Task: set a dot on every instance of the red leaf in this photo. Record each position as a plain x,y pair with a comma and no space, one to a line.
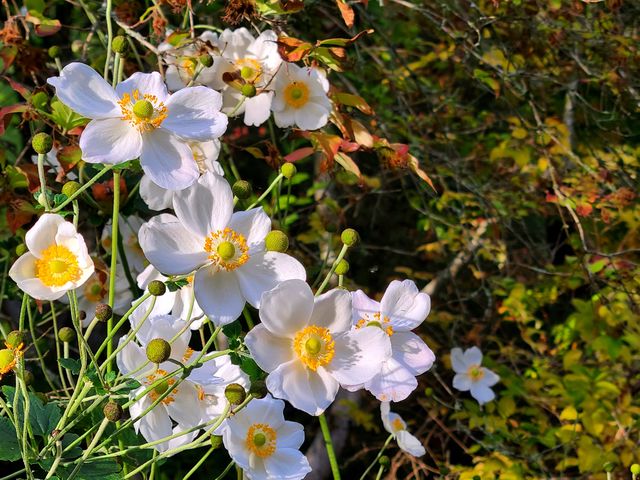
347,13
19,88
5,111
299,154
292,49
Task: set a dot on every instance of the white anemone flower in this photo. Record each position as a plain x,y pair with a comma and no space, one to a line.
402,308
187,404
56,261
307,346
225,249
396,426
471,375
300,97
205,154
255,60
181,56
139,118
264,444
128,228
181,303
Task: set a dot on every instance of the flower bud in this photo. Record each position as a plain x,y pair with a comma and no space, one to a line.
384,461
216,441
276,241
288,170
258,389
42,143
428,392
157,288
70,188
158,350
248,90
15,339
54,51
119,44
27,377
635,469
349,237
112,411
21,249
342,268
67,334
39,99
205,60
103,312
235,393
242,189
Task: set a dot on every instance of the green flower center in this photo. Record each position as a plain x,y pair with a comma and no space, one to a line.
143,109
226,250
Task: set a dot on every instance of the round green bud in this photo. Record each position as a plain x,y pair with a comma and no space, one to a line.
21,249
70,188
276,241
157,288
7,359
428,392
14,339
226,250
42,143
384,461
39,99
205,60
67,334
349,237
143,109
28,377
54,51
635,469
242,189
258,389
248,90
609,466
235,393
342,268
77,46
103,312
247,72
119,44
112,411
216,441
288,170
158,350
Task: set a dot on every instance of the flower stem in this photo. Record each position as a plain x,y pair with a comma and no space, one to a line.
114,259
324,283
326,434
93,180
375,460
43,182
110,38
277,181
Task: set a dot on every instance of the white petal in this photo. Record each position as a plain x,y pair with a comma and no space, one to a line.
284,118
167,160
263,271
257,109
173,78
155,425
411,352
473,356
268,350
234,43
219,295
482,393
43,233
410,444
287,308
186,408
359,355
332,310
462,382
111,141
309,391
170,247
489,378
458,362
363,306
212,194
254,225
266,410
23,272
83,90
290,435
194,113
394,383
144,83
385,411
287,464
265,49
131,358
405,305
312,116
156,198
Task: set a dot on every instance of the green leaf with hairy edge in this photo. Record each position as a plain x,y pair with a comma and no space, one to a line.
70,364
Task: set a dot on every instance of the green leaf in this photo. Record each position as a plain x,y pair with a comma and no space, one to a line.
64,116
43,418
233,330
9,446
98,470
70,364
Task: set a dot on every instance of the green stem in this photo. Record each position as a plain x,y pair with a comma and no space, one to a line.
375,460
114,259
326,434
110,38
93,180
277,181
43,181
324,283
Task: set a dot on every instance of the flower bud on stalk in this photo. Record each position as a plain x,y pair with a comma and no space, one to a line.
103,312
235,393
205,60
349,237
216,441
15,339
242,189
70,188
21,249
112,411
248,90
119,44
67,334
158,350
54,51
42,143
342,268
157,288
276,241
288,170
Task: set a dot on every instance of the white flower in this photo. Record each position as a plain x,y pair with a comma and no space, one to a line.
300,97
187,404
128,228
225,249
255,61
205,155
401,309
57,259
181,55
264,444
471,375
140,119
397,427
307,345
180,303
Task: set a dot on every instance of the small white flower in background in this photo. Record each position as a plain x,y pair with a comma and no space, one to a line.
471,375
402,308
181,54
56,261
255,60
51,159
141,119
307,345
187,404
205,155
397,427
225,249
264,444
300,97
128,228
180,303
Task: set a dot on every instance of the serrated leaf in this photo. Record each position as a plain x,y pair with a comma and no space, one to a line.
70,364
9,446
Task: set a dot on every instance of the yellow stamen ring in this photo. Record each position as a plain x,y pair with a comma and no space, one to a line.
57,266
314,346
261,440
